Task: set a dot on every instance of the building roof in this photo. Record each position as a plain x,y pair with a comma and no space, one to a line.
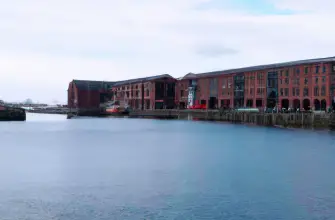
98,85
92,85
262,67
144,79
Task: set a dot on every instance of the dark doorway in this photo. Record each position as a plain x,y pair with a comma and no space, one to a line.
296,103
203,102
182,105
212,103
259,103
323,105
317,105
285,103
225,103
159,105
306,104
238,103
272,100
250,103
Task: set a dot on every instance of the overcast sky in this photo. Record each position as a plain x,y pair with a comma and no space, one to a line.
44,44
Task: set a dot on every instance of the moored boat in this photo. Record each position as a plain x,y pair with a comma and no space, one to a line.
116,108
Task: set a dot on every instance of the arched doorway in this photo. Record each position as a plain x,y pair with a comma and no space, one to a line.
317,105
306,104
323,105
285,103
296,103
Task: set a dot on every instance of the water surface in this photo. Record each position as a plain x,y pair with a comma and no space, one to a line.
85,169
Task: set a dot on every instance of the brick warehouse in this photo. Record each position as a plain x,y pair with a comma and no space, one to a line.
154,92
298,84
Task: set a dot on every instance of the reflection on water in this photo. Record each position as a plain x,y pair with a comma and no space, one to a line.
53,168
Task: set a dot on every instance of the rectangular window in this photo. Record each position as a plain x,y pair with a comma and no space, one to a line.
306,81
316,91
324,69
293,91
297,92
281,72
317,69
306,70
297,71
224,84
305,91
282,92
316,80
323,90
286,73
281,82
286,91
181,93
287,81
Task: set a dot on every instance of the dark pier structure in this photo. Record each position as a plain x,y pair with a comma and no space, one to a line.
12,114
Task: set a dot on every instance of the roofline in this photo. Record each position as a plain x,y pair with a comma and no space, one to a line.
262,67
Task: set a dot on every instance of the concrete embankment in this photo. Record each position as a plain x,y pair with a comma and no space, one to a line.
294,120
318,120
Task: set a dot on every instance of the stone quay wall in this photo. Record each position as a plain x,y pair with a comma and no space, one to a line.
294,120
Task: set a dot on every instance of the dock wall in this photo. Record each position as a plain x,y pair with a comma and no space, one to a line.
296,120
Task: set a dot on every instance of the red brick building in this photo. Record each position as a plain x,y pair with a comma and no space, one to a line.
298,84
83,94
156,92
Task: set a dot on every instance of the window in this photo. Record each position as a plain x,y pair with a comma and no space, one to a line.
224,84
281,72
260,91
281,82
316,80
316,91
293,91
306,70
323,90
286,91
286,73
323,79
317,69
297,71
229,83
306,81
251,91
324,68
305,91
297,92
287,81
282,92
181,93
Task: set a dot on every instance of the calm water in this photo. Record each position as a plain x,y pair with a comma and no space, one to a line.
86,169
